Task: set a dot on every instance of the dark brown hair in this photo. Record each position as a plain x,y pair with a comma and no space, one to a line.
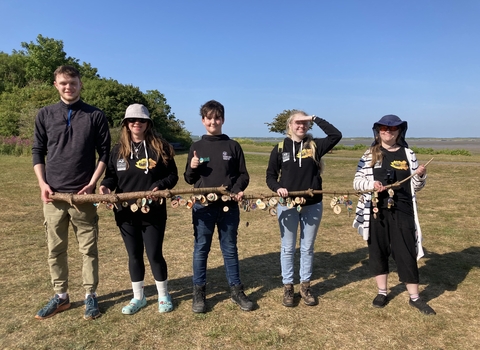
212,108
68,71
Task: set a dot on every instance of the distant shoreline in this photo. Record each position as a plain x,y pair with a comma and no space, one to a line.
456,143
469,144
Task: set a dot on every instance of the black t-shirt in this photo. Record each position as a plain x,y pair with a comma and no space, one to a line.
395,167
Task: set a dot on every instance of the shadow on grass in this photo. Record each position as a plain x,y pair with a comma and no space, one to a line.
441,272
261,273
444,272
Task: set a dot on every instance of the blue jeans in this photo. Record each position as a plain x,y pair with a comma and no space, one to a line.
288,219
204,221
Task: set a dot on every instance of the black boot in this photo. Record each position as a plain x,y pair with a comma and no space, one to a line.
238,297
198,304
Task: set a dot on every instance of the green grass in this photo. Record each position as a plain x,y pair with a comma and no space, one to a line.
344,318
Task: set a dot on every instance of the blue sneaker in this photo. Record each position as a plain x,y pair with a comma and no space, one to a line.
165,304
134,306
91,308
54,306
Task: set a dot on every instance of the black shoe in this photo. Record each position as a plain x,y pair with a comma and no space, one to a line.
198,304
238,297
422,306
288,295
380,301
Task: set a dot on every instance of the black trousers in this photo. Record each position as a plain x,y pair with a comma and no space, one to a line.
148,237
393,232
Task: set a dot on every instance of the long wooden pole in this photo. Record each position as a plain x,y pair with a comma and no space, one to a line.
120,197
304,193
398,183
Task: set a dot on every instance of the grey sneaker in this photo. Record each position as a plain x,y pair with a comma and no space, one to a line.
54,306
91,308
238,296
288,294
198,304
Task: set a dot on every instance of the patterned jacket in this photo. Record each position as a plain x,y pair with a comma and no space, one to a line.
364,181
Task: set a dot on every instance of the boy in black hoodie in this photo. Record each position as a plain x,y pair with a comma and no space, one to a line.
213,161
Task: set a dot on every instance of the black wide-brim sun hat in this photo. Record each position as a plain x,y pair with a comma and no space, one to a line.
392,120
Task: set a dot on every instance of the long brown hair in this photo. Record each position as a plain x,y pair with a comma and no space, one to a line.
163,150
377,155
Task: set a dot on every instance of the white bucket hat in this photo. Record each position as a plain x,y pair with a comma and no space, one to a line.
137,111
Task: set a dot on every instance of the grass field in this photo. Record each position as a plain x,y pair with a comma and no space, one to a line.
344,318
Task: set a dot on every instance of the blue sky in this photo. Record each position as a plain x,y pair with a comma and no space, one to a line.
350,62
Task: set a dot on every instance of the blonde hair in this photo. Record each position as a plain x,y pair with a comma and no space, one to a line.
163,150
309,143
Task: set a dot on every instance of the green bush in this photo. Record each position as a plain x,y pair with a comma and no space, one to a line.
431,151
350,148
15,146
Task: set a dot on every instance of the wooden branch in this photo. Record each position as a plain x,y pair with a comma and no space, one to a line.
304,193
121,197
398,183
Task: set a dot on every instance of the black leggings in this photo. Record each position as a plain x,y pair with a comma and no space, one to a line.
151,237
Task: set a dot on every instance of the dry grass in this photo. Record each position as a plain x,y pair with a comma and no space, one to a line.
344,318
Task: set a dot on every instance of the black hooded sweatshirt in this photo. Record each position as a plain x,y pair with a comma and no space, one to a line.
295,169
223,165
134,178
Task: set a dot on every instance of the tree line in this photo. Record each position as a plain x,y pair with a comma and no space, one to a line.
26,85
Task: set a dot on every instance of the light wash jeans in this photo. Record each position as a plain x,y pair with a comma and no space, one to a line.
309,218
